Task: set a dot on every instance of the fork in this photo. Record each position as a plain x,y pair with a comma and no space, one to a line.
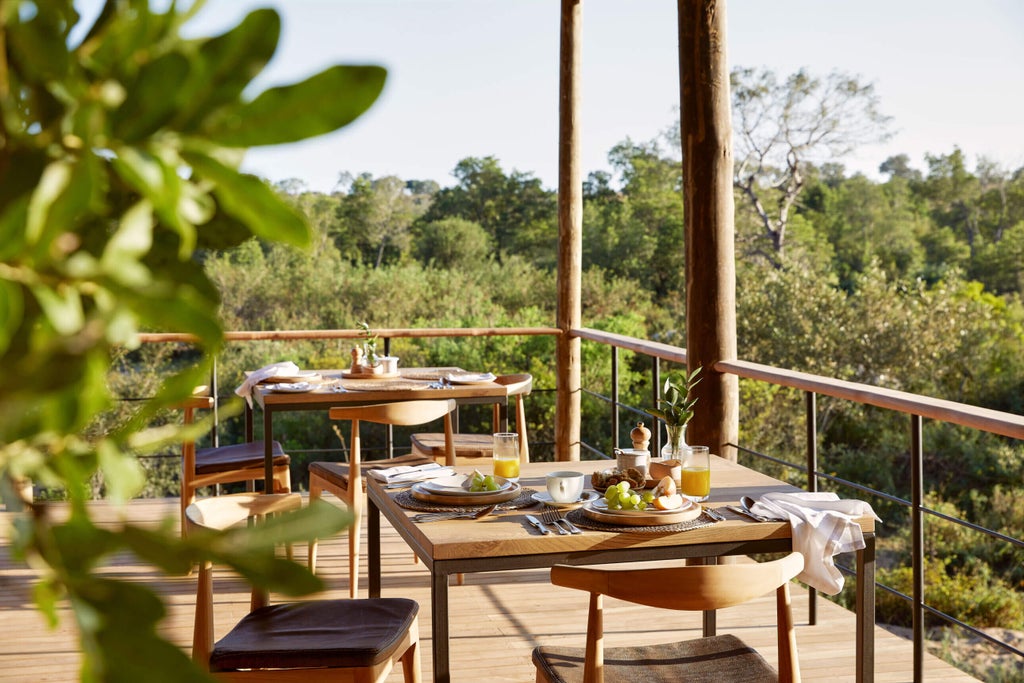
444,516
562,525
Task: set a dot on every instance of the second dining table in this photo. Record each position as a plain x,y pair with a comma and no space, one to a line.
330,388
504,540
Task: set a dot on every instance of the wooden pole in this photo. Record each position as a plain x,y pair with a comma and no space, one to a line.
570,235
706,131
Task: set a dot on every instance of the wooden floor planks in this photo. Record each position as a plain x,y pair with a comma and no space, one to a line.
497,619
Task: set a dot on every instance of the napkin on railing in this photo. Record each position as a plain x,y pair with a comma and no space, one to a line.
411,473
282,369
823,526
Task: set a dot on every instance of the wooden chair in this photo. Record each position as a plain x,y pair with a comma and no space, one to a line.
470,447
224,464
345,480
316,640
696,588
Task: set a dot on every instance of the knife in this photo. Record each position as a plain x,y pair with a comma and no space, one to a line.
541,527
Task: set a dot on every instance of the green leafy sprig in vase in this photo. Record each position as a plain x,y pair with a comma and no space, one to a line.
675,408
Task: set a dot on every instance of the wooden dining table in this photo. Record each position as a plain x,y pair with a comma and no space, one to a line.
334,388
505,540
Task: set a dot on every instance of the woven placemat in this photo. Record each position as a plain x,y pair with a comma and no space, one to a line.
428,374
581,520
383,384
405,500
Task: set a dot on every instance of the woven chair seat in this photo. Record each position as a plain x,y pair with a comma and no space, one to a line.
710,660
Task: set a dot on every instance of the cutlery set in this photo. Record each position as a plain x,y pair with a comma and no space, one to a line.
561,524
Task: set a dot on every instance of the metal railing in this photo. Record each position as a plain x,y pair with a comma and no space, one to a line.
914,406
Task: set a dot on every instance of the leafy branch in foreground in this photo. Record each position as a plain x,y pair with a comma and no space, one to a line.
119,159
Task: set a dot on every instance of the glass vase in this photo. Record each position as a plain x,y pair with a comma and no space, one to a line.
676,442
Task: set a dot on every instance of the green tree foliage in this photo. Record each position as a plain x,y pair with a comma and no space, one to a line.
118,161
517,213
451,244
374,219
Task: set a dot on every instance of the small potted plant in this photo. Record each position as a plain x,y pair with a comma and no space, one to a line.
365,360
675,408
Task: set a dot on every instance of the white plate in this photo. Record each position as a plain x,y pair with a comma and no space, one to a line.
601,505
300,376
472,378
291,388
458,485
545,497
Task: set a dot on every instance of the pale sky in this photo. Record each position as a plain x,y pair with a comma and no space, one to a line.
480,77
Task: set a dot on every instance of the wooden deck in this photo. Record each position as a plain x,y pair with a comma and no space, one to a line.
497,618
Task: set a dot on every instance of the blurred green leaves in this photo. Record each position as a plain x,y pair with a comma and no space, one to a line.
119,158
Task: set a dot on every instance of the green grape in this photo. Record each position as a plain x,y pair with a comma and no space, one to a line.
641,506
490,484
634,500
623,486
611,494
648,496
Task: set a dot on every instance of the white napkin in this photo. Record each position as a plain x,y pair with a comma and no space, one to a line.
823,527
283,369
411,473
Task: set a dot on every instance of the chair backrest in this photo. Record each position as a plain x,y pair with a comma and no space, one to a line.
400,413
219,513
691,588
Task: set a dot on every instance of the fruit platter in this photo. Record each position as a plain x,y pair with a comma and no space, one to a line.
466,489
625,505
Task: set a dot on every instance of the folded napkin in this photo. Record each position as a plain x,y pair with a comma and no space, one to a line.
283,369
411,473
823,527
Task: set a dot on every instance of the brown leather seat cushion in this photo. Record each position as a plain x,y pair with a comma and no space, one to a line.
705,660
319,633
466,445
337,472
238,456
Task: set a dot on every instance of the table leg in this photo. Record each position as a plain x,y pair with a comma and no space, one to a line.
373,547
439,604
866,611
268,451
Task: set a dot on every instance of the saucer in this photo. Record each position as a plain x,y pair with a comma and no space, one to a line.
545,497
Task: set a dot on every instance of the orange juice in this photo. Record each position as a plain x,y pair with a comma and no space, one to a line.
695,482
507,468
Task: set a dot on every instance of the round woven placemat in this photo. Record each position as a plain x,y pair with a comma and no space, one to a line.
581,520
382,384
405,500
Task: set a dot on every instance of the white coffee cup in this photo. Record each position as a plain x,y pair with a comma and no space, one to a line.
389,363
565,486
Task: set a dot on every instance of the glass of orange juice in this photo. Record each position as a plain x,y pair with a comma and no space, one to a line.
506,455
695,481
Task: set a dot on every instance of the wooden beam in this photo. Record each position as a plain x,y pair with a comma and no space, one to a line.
570,235
706,132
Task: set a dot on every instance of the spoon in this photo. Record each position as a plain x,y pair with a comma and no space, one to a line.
746,502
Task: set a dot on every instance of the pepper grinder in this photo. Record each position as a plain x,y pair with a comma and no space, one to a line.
641,437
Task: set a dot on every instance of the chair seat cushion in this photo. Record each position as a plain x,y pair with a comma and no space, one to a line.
466,445
710,660
318,633
236,457
336,473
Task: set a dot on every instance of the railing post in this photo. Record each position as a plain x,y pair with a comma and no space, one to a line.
389,430
917,539
811,419
615,397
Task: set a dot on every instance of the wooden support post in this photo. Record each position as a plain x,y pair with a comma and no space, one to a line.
570,236
705,131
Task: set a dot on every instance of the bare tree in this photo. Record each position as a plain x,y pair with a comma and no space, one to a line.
781,128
